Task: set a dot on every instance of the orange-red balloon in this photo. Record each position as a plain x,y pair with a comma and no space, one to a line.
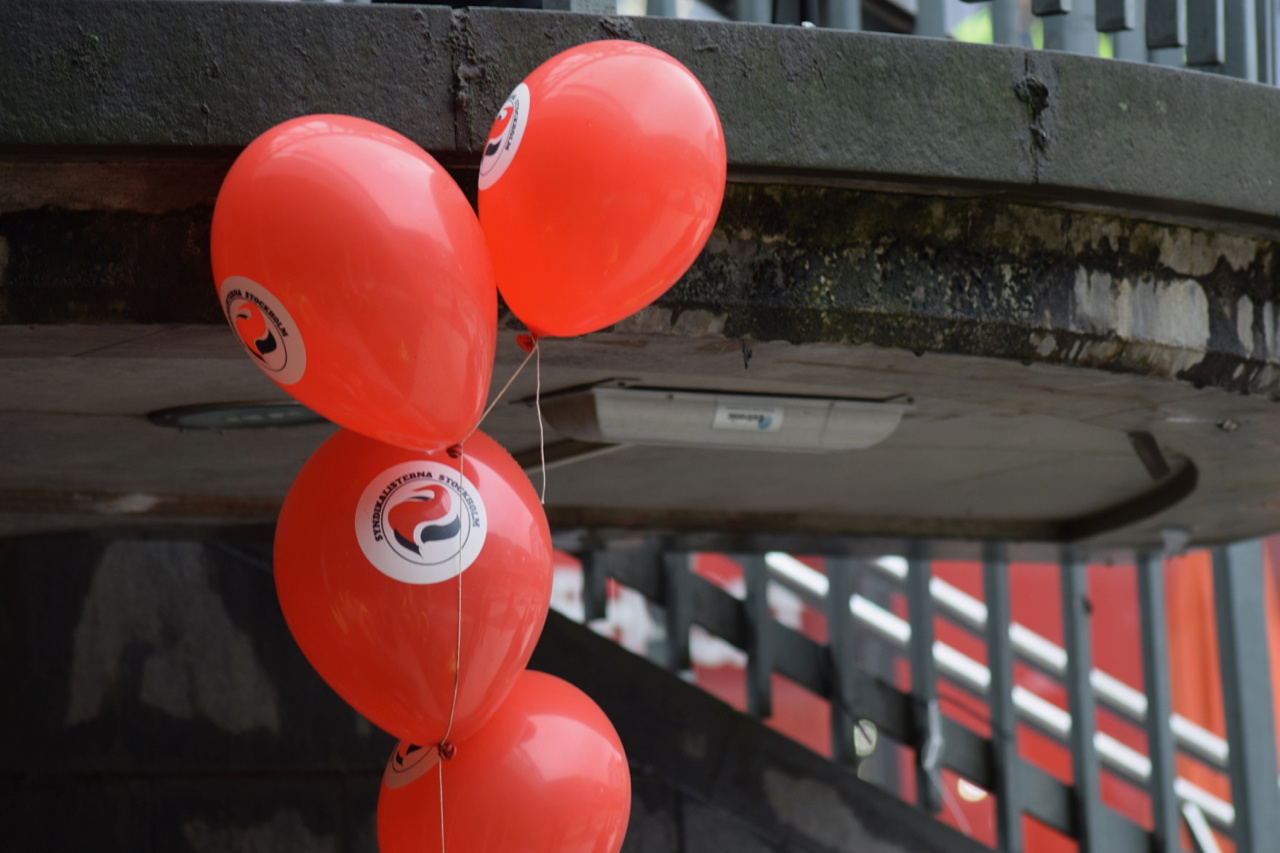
600,182
372,544
356,276
546,775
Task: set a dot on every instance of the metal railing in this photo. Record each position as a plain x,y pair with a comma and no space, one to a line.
1231,37
664,577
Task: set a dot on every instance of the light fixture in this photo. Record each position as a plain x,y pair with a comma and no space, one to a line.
617,413
229,416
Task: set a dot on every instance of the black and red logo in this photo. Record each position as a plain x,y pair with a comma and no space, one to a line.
504,137
251,326
408,762
421,522
265,328
428,515
499,129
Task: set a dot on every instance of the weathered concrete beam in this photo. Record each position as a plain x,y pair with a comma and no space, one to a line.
975,276
815,105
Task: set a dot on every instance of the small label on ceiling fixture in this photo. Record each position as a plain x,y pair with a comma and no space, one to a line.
764,419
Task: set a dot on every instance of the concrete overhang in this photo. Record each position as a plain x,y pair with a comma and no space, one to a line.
1058,259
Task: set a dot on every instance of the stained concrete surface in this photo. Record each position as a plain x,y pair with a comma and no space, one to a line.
161,705
1043,252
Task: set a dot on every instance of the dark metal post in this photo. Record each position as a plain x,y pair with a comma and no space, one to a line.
931,18
1240,609
1206,32
1074,33
924,685
1242,40
844,652
1045,8
675,567
1004,725
1131,44
1166,23
1266,41
595,585
1084,757
1115,16
841,14
759,638
1155,677
755,11
1004,22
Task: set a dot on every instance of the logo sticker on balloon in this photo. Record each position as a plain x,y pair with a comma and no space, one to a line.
421,522
265,328
407,763
504,137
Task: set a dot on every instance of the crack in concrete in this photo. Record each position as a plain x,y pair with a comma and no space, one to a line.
1032,91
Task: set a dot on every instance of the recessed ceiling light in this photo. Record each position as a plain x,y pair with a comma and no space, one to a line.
681,418
228,416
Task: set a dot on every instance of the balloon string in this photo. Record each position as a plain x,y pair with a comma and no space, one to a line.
445,749
457,652
500,394
440,774
537,406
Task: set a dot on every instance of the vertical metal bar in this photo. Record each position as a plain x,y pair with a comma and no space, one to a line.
809,11
755,11
1114,15
1240,609
931,18
660,8
1004,22
924,684
877,661
786,12
844,652
841,14
1166,23
1004,724
1206,32
675,567
1084,757
759,638
1074,33
1242,40
1155,678
1045,8
1131,44
595,585
1265,24
1170,57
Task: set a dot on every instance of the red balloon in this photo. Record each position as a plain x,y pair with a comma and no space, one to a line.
372,544
356,275
600,183
546,775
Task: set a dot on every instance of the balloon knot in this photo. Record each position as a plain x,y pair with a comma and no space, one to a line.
447,750
455,451
526,342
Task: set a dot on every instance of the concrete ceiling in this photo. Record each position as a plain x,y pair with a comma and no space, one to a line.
978,229
988,448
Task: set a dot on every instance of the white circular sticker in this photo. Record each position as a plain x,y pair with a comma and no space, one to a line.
421,522
265,328
408,762
504,137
